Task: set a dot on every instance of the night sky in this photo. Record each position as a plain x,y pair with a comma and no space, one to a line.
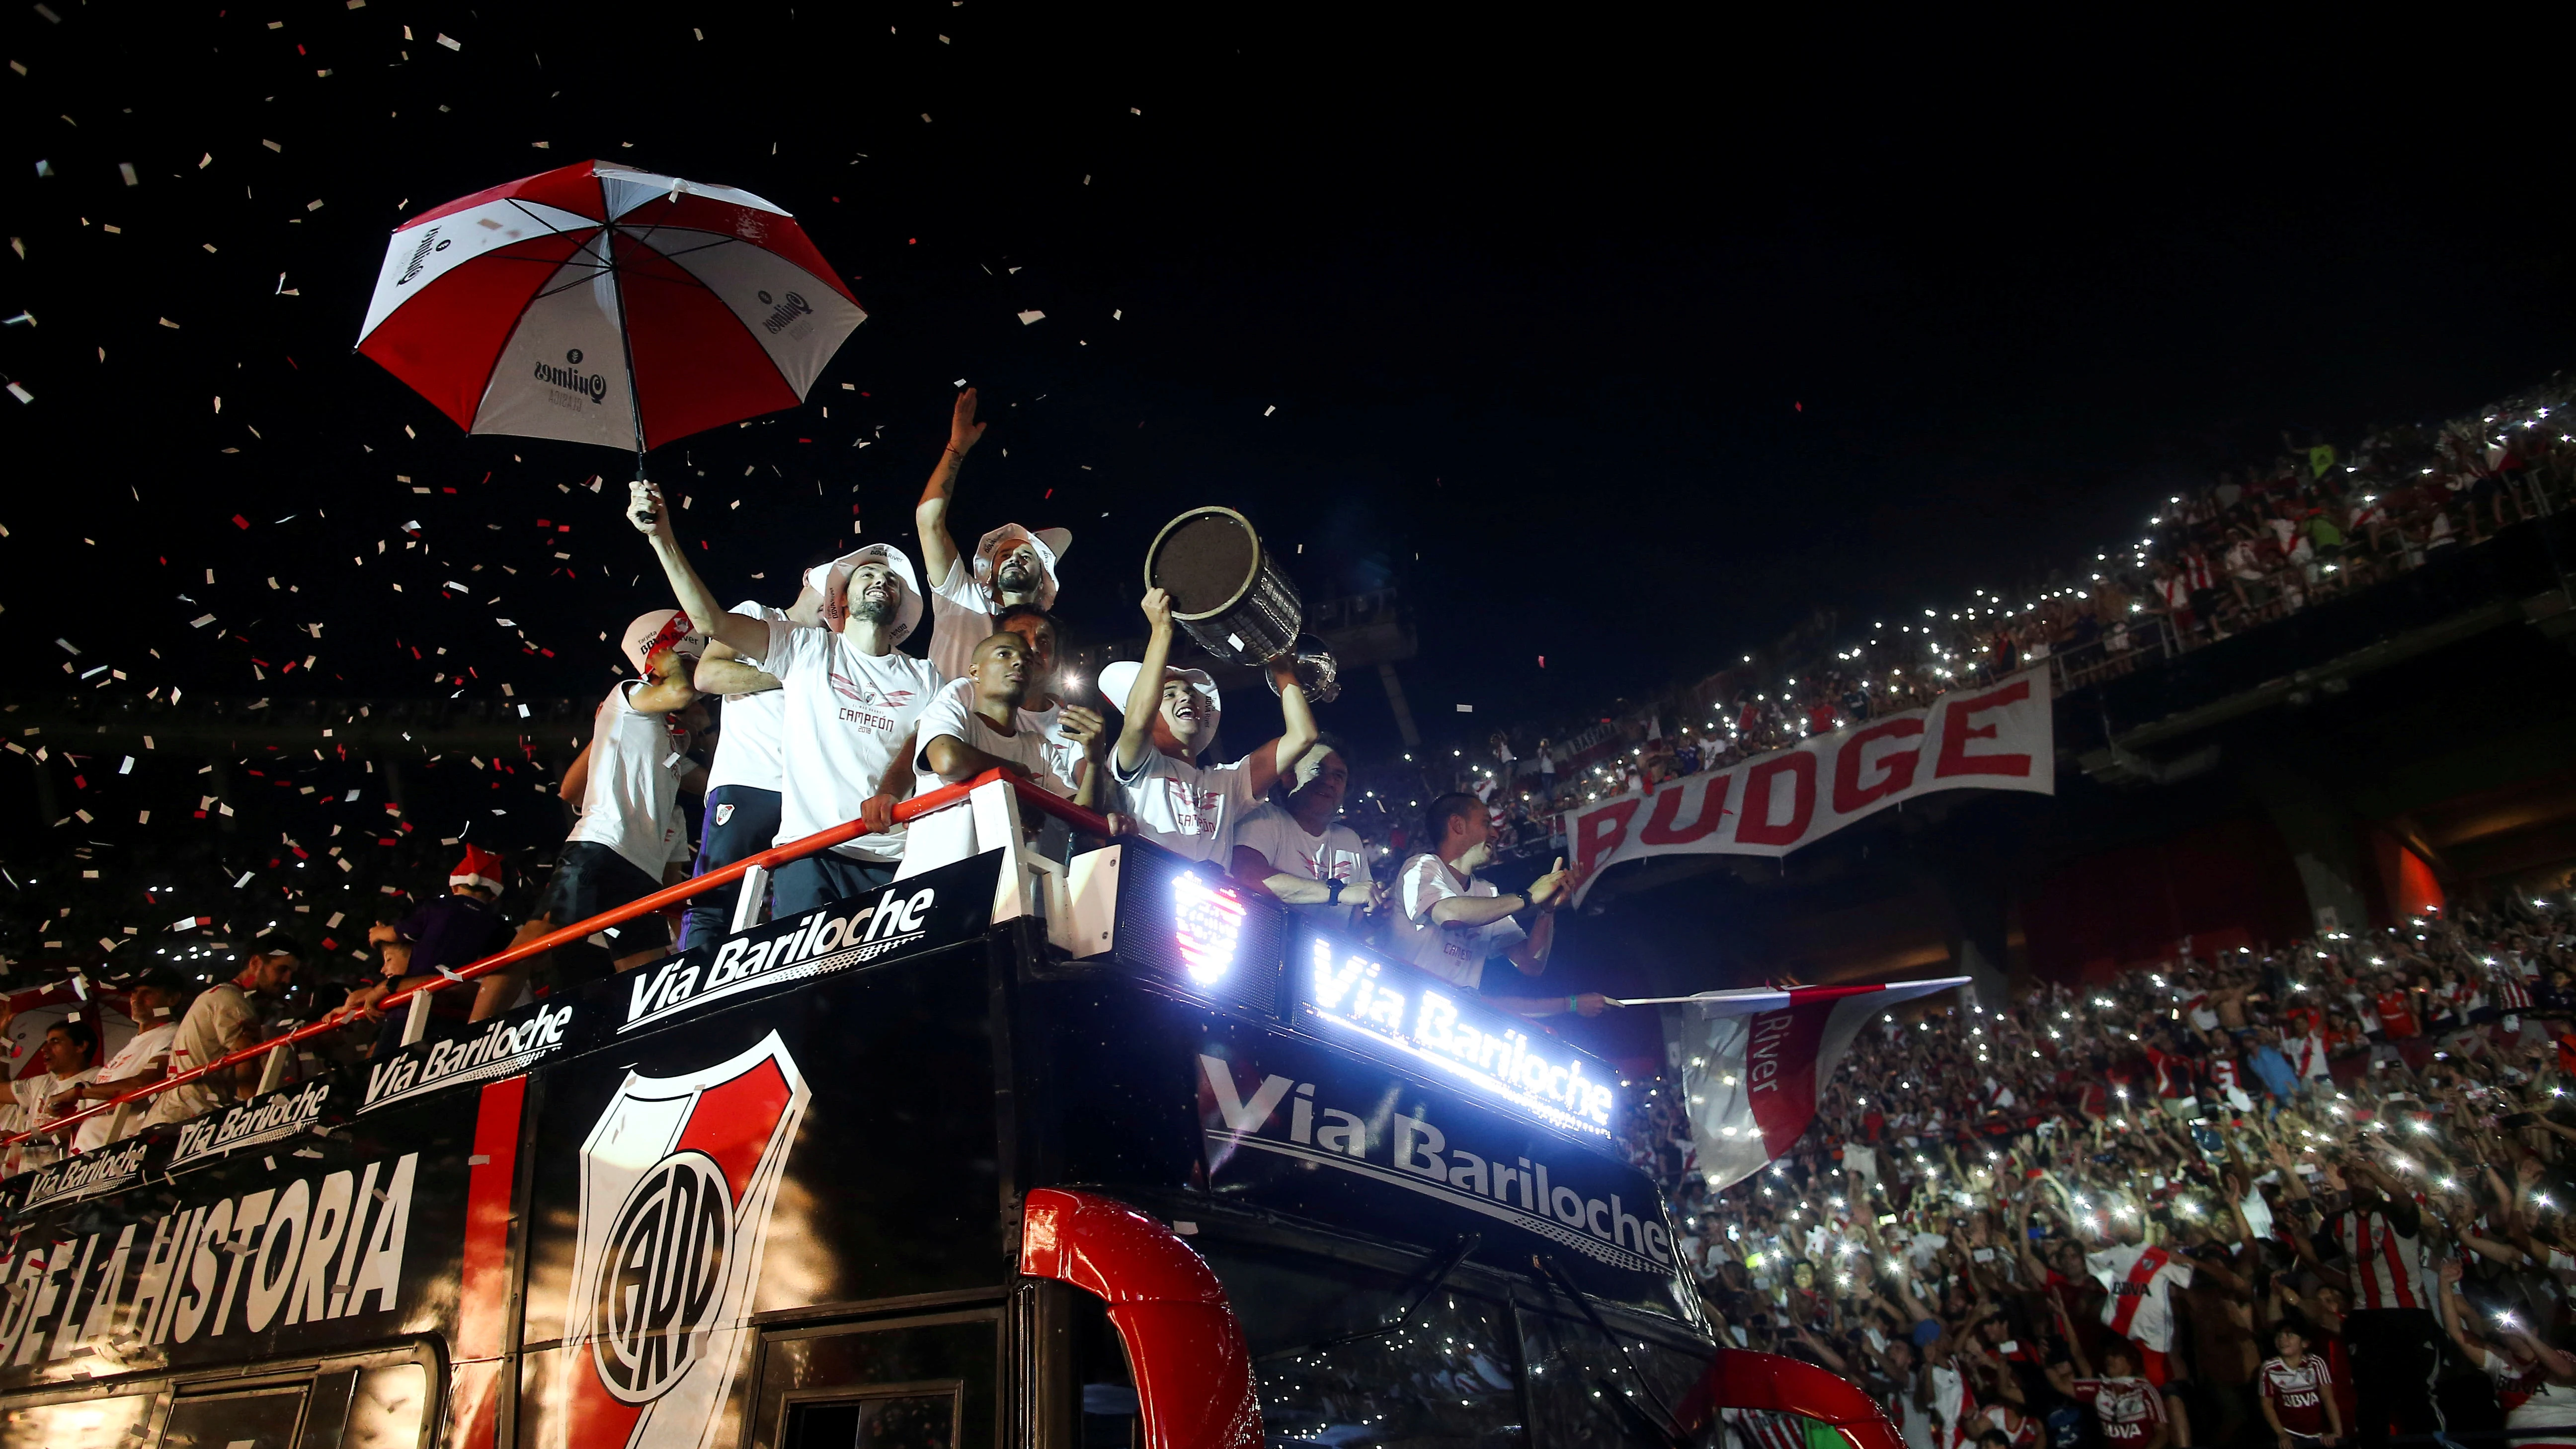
1608,342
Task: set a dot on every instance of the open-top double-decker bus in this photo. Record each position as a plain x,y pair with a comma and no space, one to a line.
1018,1151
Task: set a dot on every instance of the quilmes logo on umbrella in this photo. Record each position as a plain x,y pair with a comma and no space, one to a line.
571,378
430,241
784,310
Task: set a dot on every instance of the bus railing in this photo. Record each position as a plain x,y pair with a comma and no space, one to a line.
276,1050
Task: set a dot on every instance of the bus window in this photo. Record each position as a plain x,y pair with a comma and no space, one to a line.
243,1419
1110,1412
1445,1380
386,1410
910,1385
925,1418
1583,1394
116,1423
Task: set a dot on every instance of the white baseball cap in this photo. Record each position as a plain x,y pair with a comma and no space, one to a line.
1120,676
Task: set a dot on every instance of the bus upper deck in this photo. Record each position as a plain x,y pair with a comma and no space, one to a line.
1016,1151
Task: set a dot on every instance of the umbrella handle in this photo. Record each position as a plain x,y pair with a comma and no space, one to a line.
640,478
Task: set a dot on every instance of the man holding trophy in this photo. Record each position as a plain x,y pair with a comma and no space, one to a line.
1171,716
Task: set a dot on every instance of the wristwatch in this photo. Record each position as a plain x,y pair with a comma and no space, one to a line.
1334,889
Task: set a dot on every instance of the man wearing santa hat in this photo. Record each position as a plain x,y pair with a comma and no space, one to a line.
631,839
1012,565
445,934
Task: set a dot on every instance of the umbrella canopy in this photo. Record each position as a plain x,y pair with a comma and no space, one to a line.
599,304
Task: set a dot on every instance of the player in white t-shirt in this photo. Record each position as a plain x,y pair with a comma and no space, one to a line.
1299,852
1012,565
1449,923
1044,711
631,839
977,724
71,1054
744,780
1170,716
143,1060
849,702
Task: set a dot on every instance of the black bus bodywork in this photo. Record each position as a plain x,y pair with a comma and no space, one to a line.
893,1173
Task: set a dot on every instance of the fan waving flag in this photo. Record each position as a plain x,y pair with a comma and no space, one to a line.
1757,1060
599,304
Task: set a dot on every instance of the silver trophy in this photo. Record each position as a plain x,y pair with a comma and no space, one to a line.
1232,597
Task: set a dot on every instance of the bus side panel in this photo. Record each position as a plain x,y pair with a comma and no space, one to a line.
474,1404
1180,1101
346,1235
800,1154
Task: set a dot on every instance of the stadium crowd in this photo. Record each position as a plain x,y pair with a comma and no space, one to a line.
2254,545
2290,1197
2301,1195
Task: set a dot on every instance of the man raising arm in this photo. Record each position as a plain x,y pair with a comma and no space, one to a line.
1012,565
1171,716
849,703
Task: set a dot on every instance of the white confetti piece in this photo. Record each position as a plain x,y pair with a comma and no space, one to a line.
126,170
19,391
1030,316
450,44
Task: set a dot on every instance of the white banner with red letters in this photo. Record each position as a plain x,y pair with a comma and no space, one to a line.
1995,737
1755,1063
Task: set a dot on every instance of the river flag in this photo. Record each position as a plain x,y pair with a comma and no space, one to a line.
1755,1061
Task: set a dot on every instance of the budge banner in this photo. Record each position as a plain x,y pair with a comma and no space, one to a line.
1991,738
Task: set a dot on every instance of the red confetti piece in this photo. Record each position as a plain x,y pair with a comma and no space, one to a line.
240,522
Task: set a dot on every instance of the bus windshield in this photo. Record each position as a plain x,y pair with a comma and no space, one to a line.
1470,1369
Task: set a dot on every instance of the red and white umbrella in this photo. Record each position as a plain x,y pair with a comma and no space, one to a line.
600,304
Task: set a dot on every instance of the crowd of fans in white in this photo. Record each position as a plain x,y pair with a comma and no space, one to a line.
2296,1196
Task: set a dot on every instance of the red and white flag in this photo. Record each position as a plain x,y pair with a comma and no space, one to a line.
1757,1060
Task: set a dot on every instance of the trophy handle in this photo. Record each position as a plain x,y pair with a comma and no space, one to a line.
1317,674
